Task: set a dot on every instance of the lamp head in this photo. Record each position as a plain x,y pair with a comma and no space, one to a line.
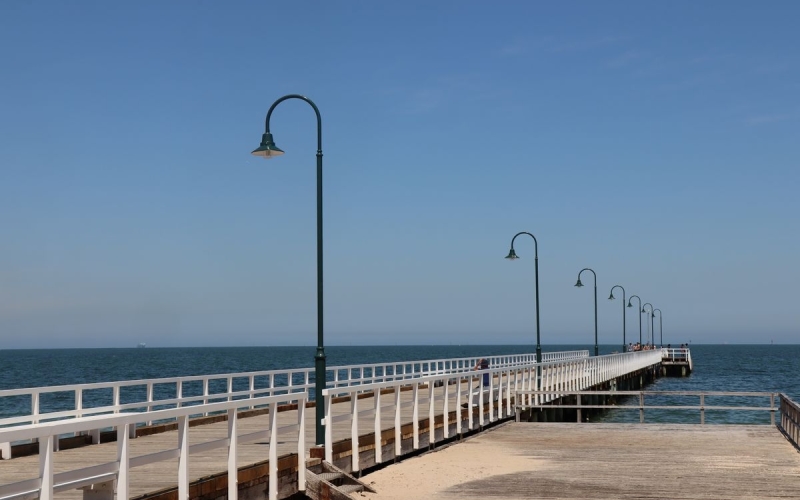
579,284
643,310
611,296
267,149
512,255
629,304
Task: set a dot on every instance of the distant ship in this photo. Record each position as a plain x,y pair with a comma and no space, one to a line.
141,345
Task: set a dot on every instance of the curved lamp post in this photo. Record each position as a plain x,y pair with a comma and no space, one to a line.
660,326
268,150
579,284
652,333
611,297
512,255
640,315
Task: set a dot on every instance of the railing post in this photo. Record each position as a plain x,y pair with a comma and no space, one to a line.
354,431
579,409
205,394
378,429
458,405
446,410
301,444
273,452
183,457
46,467
415,417
123,461
328,427
233,470
398,435
702,409
772,409
149,406
431,415
641,407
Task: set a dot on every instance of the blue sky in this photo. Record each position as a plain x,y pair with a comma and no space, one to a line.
653,142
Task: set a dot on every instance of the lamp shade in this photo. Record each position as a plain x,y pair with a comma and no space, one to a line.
611,296
512,255
579,284
267,149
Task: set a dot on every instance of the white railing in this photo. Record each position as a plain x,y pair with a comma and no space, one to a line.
385,372
143,395
678,355
437,394
47,483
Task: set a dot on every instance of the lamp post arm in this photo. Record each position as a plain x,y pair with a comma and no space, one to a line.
311,103
535,242
588,269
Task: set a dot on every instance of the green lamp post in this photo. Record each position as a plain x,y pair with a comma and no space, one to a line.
640,315
268,150
512,255
652,333
611,297
660,326
579,284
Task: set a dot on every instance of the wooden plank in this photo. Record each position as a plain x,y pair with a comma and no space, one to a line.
601,461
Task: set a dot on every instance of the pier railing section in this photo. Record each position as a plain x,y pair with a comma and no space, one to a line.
790,419
117,473
437,396
678,355
44,404
588,400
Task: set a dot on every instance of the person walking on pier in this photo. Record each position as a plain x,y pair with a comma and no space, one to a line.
483,364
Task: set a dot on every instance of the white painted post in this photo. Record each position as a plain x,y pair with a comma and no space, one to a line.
491,397
378,435
252,386
480,398
149,406
78,403
230,388
123,461
35,407
46,467
415,417
431,415
179,392
470,386
233,444
328,428
508,390
458,405
398,435
354,430
301,444
183,457
446,410
273,451
5,450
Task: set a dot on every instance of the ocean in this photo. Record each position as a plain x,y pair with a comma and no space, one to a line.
757,368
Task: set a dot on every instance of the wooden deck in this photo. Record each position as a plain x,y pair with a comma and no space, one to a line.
601,461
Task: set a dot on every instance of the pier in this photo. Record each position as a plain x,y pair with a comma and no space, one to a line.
374,415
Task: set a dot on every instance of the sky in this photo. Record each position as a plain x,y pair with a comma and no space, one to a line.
654,142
